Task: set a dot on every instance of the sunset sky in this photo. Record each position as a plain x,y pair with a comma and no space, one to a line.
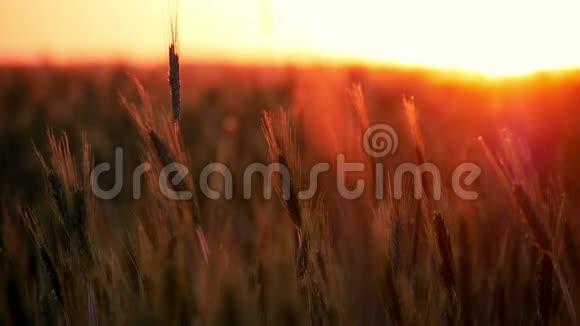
493,36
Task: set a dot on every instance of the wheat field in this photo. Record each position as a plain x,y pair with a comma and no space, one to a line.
69,257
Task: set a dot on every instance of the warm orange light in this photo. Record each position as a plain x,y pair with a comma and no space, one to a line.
495,37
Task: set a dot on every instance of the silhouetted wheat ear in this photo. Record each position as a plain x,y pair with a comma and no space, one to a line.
419,147
58,194
278,149
358,101
447,266
412,119
302,248
361,111
79,220
545,288
301,240
161,150
292,203
542,239
174,82
166,159
52,275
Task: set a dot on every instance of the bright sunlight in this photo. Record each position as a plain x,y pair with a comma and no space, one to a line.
491,37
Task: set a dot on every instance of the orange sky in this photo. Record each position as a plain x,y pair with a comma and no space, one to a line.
496,37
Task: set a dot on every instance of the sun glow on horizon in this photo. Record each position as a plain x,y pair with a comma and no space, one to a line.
493,37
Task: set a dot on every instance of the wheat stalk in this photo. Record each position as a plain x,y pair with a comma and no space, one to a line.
280,151
447,266
174,71
52,274
174,82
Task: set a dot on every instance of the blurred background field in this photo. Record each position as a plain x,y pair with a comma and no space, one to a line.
367,268
223,105
495,83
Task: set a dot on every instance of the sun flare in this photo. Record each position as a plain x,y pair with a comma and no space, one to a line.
492,37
